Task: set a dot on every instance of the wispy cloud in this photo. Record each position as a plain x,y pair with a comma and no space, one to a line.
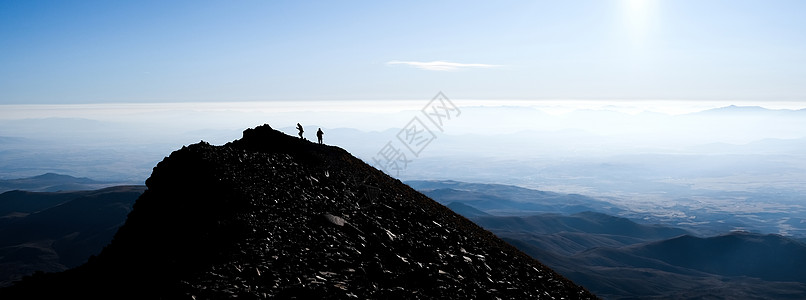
440,65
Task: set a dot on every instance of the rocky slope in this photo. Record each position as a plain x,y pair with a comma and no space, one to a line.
271,215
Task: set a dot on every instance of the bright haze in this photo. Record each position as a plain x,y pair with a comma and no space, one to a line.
651,103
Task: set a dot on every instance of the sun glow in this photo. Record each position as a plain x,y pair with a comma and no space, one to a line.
639,16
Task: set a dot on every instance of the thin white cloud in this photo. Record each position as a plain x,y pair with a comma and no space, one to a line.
440,65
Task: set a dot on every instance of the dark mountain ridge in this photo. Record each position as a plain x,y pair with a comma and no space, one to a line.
738,265
775,258
271,215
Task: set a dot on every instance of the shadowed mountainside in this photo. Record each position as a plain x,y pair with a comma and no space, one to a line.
56,231
768,257
270,215
731,266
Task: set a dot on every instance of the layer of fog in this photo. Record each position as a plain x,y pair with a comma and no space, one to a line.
663,160
530,131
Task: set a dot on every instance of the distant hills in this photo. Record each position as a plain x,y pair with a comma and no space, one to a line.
738,109
507,199
571,234
767,257
52,182
54,231
617,258
730,266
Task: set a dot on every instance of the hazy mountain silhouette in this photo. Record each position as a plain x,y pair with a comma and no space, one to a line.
56,231
271,215
765,146
52,182
570,234
739,109
466,210
10,139
507,199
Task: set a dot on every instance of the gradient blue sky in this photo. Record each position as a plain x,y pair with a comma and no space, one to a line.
61,52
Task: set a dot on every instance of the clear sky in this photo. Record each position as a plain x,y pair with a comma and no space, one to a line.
61,52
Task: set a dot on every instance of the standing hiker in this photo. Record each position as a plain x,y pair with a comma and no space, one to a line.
319,134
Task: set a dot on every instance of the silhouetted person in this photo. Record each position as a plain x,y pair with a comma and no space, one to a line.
299,127
319,134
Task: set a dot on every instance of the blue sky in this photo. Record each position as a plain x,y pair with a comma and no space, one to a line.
61,52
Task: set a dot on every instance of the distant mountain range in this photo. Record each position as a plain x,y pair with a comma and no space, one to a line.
738,109
617,258
52,182
572,234
509,200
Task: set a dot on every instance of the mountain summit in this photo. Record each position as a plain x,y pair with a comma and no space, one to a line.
274,216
